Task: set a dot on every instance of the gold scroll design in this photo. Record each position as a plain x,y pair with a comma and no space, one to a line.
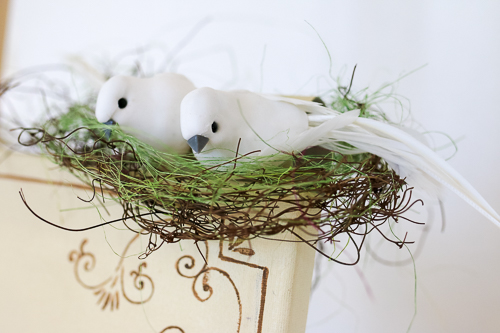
109,290
189,263
233,246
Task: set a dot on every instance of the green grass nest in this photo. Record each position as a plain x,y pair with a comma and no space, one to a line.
172,197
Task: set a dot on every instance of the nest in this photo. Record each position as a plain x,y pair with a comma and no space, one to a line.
174,198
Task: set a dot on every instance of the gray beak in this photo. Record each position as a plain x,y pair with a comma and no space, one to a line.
107,132
197,143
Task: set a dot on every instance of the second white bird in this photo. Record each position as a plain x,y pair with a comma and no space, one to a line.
147,108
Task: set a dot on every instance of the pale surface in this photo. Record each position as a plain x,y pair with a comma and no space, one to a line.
261,286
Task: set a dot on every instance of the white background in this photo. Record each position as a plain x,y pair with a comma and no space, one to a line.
267,46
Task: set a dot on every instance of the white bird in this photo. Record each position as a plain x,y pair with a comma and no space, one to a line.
147,108
213,121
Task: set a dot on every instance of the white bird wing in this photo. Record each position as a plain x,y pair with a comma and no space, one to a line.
307,106
407,155
313,135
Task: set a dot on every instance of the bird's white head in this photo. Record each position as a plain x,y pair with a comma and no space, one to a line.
112,99
203,119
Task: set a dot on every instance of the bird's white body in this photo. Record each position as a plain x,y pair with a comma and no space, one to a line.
152,108
274,124
238,115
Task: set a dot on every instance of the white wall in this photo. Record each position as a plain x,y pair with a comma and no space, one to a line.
456,93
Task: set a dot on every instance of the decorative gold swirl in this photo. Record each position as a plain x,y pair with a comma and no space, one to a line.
87,261
189,265
139,284
265,275
204,272
108,291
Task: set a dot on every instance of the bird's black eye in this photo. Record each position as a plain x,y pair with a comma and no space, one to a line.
122,103
215,127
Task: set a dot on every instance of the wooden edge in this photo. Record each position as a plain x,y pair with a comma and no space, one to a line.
52,182
4,4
